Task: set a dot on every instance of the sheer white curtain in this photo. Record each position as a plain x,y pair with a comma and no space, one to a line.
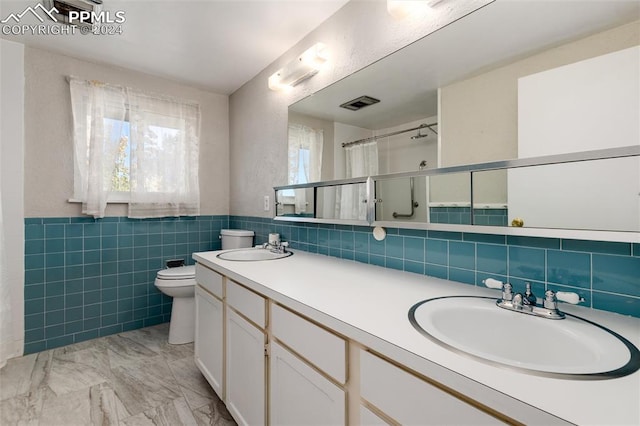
165,138
98,116
305,160
361,160
142,147
6,318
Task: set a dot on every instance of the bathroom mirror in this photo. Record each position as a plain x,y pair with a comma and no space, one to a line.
442,198
461,91
597,195
330,202
296,203
590,194
591,191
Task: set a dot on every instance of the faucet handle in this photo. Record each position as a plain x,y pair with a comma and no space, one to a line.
569,297
507,289
507,292
491,283
550,300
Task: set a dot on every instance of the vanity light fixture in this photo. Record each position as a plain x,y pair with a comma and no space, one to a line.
401,8
304,66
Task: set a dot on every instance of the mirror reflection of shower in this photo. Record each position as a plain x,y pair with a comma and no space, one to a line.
421,135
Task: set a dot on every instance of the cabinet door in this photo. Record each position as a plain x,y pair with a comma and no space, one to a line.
299,395
410,400
245,396
208,338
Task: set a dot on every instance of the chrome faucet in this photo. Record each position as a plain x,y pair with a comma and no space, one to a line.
529,297
278,247
527,303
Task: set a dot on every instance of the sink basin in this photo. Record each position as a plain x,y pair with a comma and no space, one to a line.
572,348
252,254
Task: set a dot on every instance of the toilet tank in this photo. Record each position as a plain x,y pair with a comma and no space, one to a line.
236,238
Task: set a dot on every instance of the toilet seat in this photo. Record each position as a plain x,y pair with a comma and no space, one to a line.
179,273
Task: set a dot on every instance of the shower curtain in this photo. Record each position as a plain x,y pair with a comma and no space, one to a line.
6,321
361,160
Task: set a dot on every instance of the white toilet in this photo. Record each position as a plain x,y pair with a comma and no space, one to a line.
236,238
180,283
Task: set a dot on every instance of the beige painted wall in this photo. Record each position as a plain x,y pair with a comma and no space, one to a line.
48,133
479,116
357,35
11,175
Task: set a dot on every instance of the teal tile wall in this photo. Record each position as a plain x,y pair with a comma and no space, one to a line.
605,274
462,215
86,278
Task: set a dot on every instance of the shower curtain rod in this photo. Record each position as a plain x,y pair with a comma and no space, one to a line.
374,138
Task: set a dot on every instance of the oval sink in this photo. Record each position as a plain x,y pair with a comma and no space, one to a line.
572,348
252,254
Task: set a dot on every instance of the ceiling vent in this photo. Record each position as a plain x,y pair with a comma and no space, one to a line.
85,11
359,103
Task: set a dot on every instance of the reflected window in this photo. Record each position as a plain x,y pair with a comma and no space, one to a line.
305,161
305,154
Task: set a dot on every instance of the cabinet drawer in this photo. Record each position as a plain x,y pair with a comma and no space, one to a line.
368,418
208,279
248,303
410,400
322,348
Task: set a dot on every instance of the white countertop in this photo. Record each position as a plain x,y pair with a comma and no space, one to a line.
370,304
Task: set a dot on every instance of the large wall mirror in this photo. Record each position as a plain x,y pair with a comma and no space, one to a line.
514,79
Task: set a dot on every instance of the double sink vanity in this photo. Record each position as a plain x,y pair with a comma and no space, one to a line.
509,141
312,339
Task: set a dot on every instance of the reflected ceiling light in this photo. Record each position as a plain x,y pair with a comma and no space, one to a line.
402,8
304,66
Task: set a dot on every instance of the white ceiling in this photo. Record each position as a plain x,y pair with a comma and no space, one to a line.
217,45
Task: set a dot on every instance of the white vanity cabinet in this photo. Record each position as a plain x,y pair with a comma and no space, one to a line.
245,355
299,393
209,327
407,399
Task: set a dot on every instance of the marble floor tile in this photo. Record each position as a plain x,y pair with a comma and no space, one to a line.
133,378
15,377
21,410
106,407
72,371
193,385
26,406
172,413
72,408
145,385
25,374
124,350
155,338
214,414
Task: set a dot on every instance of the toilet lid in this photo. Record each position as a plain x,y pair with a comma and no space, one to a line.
180,273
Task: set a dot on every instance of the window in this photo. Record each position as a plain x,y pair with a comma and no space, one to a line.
134,147
305,154
120,179
305,162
